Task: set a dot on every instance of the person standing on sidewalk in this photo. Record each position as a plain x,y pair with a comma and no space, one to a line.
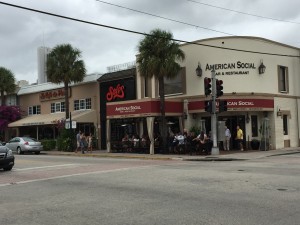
90,143
78,141
239,137
227,139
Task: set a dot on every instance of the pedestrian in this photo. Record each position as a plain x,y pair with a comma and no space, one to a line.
227,139
90,143
239,137
78,141
82,142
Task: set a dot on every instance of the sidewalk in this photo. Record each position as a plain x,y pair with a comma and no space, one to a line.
223,156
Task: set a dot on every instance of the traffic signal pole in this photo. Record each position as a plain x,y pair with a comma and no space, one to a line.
215,148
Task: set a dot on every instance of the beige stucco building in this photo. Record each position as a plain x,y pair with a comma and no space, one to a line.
43,108
255,100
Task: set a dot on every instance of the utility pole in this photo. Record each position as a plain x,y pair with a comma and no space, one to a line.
215,148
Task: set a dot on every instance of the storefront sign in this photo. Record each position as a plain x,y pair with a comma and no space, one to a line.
238,105
115,92
238,68
146,108
53,94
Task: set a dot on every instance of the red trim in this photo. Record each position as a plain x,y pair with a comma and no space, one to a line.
234,104
142,108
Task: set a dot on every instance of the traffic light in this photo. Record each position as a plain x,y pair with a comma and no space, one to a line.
208,106
222,106
207,86
219,84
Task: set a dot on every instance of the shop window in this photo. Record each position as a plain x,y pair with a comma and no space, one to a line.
57,107
33,110
285,125
176,85
283,81
82,104
254,127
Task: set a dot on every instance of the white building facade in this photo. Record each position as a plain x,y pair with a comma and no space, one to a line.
258,102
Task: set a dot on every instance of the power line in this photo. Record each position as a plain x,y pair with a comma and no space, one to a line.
161,17
140,33
244,13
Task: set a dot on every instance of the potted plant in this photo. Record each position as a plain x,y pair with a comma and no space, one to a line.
254,144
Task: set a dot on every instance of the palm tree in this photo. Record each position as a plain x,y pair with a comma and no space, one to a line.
7,83
158,57
64,66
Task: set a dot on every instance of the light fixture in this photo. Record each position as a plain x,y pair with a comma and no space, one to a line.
247,118
185,115
170,123
199,70
279,113
261,68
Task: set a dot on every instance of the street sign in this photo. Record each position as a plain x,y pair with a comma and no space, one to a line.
67,124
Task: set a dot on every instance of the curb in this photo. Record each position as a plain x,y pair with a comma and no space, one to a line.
165,157
215,159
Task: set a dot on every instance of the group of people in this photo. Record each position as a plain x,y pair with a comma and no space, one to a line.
239,138
134,141
178,143
84,142
189,141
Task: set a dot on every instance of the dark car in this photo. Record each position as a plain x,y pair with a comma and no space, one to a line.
7,159
24,144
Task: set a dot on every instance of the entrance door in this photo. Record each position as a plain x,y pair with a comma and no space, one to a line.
231,123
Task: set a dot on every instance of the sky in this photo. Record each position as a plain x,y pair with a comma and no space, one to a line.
23,31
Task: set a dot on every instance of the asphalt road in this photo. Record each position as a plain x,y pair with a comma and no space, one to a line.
44,190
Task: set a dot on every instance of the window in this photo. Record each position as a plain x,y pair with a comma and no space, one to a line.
88,103
175,85
33,110
76,105
283,83
57,107
83,104
285,125
11,100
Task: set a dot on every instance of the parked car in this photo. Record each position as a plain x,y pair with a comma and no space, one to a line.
7,159
24,144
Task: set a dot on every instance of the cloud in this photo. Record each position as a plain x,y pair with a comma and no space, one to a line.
22,32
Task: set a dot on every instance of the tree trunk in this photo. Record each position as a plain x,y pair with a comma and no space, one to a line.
163,115
67,99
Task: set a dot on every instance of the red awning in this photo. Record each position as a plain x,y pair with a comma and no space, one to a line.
259,104
143,108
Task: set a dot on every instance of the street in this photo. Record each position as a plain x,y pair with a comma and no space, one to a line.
43,189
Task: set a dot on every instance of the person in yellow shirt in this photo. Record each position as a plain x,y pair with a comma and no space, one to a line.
239,137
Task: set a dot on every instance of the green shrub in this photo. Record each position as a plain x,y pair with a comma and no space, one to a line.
195,129
48,145
66,141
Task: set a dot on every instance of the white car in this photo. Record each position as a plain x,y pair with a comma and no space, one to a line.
24,144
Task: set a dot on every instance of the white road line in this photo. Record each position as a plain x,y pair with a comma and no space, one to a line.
77,174
45,167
